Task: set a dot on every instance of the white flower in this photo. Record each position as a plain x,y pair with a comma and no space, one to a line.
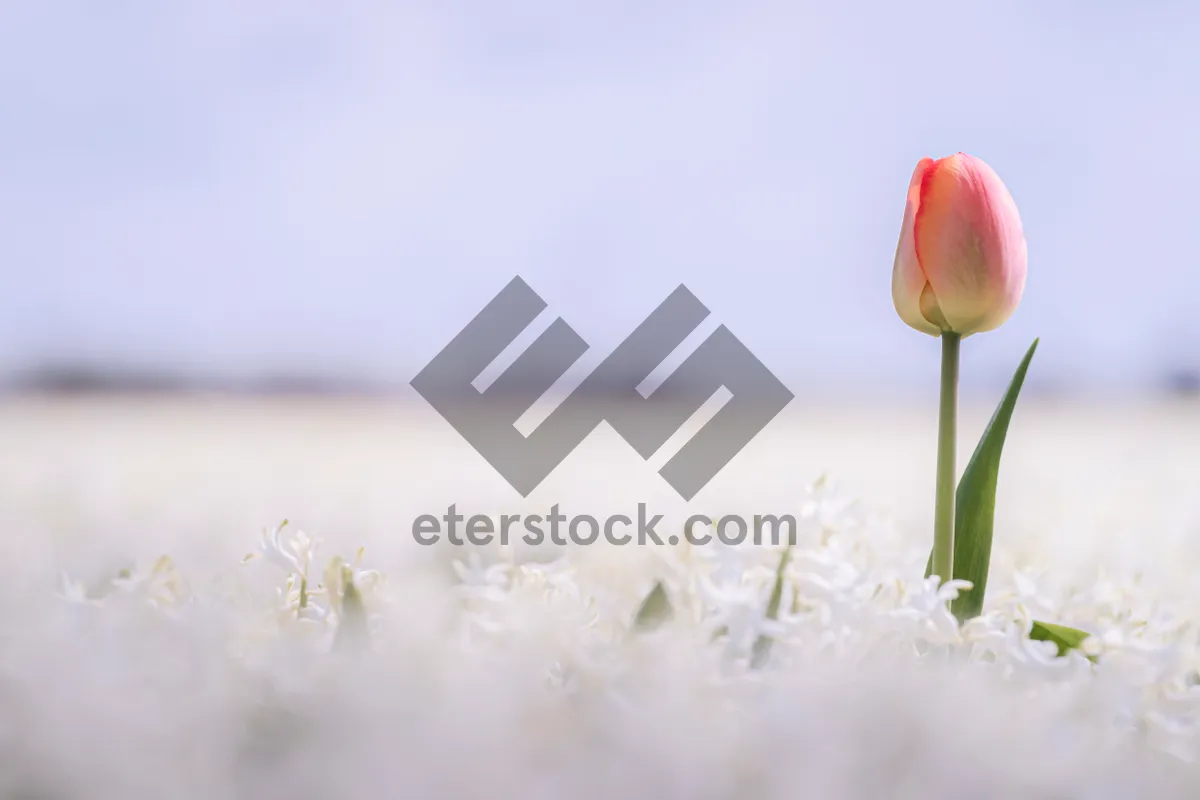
73,591
160,584
484,583
928,610
293,553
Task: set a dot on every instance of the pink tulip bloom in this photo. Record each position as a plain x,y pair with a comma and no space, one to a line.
960,263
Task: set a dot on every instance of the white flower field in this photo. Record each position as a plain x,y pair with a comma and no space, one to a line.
166,635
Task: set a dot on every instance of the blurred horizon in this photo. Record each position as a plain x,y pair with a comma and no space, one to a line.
83,380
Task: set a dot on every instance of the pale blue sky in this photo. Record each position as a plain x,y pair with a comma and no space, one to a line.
226,187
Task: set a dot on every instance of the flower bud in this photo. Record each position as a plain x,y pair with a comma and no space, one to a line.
960,263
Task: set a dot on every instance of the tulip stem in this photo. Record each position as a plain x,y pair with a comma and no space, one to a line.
943,519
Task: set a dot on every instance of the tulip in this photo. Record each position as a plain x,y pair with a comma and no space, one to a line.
960,263
959,269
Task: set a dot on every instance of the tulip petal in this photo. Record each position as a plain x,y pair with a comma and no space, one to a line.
931,311
908,279
969,243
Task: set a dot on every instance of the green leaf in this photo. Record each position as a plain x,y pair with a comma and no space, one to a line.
975,502
1066,638
761,650
655,611
776,599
